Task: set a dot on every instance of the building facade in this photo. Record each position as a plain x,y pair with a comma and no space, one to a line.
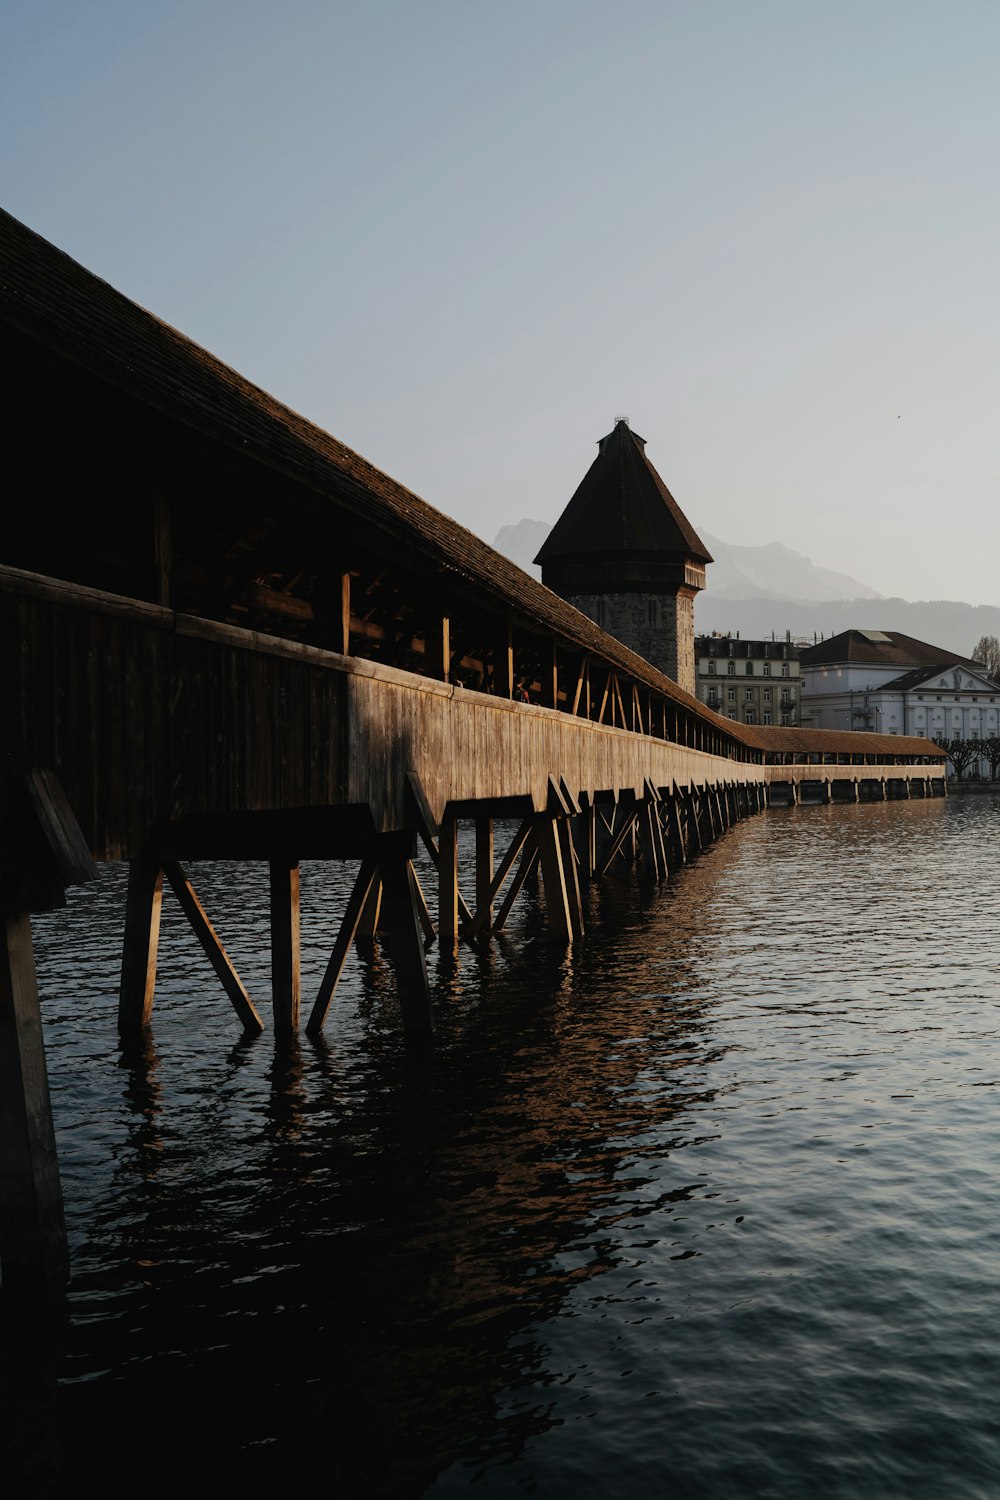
755,682
891,684
625,555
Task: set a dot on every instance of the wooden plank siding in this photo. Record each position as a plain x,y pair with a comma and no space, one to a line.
145,715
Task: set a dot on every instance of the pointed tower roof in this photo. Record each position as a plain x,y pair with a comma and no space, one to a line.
622,505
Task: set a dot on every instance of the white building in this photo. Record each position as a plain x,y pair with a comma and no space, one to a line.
889,683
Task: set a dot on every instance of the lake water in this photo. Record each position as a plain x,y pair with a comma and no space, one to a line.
706,1208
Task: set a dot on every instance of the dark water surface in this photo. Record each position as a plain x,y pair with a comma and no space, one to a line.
708,1208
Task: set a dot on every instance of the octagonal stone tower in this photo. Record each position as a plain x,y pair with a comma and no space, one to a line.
624,554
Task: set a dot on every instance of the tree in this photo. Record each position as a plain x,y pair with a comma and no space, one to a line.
961,753
991,754
987,652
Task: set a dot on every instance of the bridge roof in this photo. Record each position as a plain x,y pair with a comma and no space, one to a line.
55,302
622,505
797,741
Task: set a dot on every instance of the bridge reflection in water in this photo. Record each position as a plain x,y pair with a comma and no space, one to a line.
250,644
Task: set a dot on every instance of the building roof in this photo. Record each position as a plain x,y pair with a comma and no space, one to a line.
622,505
881,648
921,675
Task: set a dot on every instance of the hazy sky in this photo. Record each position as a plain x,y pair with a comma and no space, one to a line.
464,237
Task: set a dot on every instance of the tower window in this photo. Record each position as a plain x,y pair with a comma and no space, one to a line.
600,614
653,613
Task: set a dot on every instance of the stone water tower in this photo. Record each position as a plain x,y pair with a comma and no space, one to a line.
624,553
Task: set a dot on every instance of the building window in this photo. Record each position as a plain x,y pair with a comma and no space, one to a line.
731,694
731,669
748,669
784,718
766,719
712,699
784,671
767,669
711,669
748,695
751,717
786,701
767,695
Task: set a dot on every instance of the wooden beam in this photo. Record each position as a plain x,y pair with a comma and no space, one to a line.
484,872
580,680
571,875
344,632
550,679
34,1254
366,877
447,873
484,909
423,912
557,903
529,859
404,943
371,915
143,906
216,953
617,842
285,943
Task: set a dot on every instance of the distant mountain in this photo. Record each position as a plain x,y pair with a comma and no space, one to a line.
776,572
771,590
521,543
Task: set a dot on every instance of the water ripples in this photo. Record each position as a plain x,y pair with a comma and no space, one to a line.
705,1206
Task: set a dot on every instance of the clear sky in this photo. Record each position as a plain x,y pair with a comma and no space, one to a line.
464,237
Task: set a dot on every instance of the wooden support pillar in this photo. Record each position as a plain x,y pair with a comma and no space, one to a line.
557,898
571,874
143,905
550,679
651,840
503,671
403,930
437,648
585,827
447,872
33,1247
344,633
484,873
285,948
677,825
708,801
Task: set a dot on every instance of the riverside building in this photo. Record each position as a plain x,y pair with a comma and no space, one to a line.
754,682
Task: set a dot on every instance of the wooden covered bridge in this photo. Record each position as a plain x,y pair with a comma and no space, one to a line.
227,636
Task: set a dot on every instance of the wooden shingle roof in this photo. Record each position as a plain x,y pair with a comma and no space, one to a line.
622,505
